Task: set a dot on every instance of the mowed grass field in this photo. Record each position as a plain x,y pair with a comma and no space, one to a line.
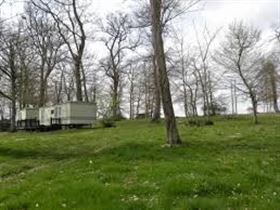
231,165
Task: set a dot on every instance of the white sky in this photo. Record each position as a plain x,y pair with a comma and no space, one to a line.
258,12
216,13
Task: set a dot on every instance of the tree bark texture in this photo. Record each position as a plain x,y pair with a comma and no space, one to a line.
170,121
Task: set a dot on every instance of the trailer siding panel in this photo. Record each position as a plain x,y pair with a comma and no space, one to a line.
28,114
70,113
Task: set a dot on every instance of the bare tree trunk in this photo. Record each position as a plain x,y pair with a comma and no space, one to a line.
58,89
13,117
13,91
272,76
250,89
232,98
77,73
43,85
138,104
94,95
157,105
115,100
131,101
255,107
275,103
194,96
147,96
186,102
203,84
211,97
2,114
85,84
171,127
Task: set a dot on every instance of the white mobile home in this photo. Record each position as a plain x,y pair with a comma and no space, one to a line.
75,113
68,114
45,115
28,118
28,114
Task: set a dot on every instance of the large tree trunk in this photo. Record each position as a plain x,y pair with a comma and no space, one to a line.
255,107
138,105
186,107
147,98
115,99
13,108
274,90
13,117
275,103
171,127
1,114
203,81
157,105
58,87
13,98
13,87
211,97
77,73
131,101
42,97
85,84
94,95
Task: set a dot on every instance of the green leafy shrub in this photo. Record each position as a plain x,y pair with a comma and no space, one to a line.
200,122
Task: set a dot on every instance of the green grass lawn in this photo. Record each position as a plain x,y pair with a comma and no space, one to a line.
231,165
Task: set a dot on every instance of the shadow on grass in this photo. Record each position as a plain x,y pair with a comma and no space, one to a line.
36,154
126,151
193,151
137,151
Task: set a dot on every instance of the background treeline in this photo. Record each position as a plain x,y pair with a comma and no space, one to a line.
131,64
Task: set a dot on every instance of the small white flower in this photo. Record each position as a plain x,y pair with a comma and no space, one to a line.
37,205
274,193
146,182
90,162
165,146
135,198
64,205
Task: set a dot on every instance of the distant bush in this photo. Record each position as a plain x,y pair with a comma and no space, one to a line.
141,116
120,117
215,109
107,123
231,117
200,122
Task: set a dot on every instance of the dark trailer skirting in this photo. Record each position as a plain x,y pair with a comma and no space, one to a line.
30,124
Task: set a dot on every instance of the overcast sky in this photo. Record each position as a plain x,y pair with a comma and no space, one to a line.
215,13
263,14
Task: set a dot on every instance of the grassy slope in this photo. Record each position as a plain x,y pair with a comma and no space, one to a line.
233,165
